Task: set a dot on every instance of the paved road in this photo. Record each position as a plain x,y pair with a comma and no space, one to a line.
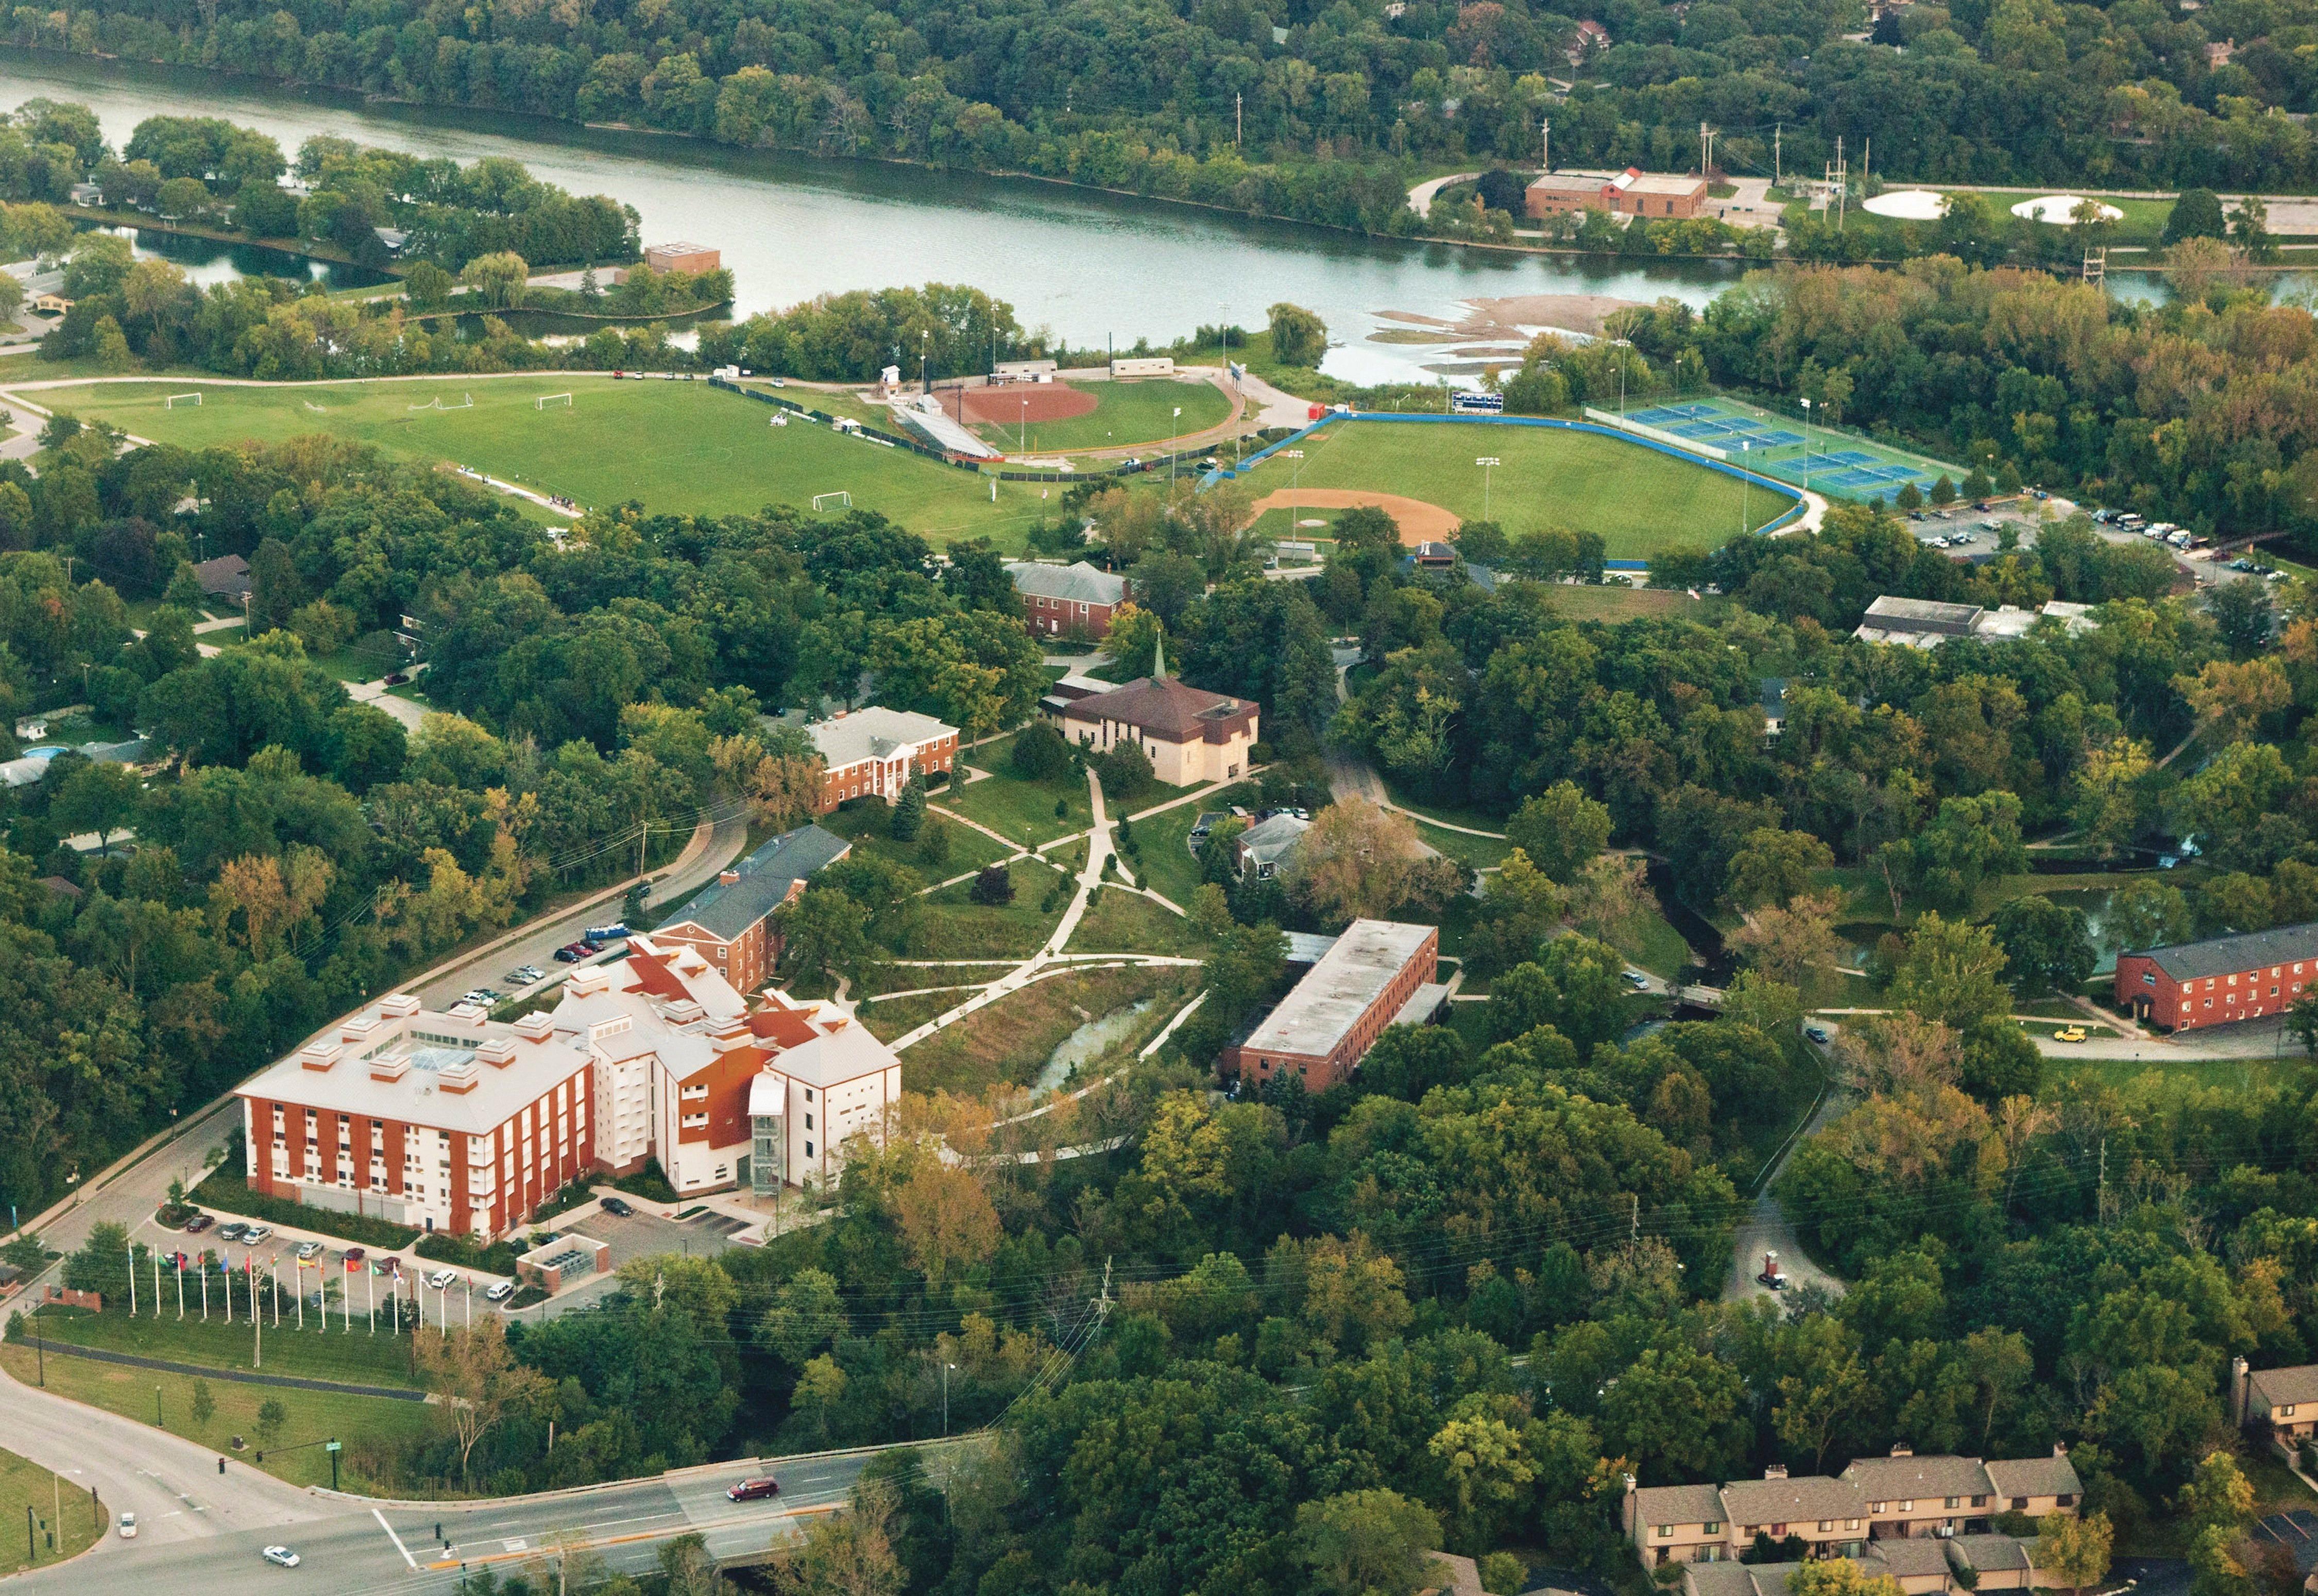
348,1547
171,1484
1767,1228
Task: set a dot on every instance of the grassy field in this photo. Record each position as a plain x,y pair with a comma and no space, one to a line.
58,1502
1126,414
865,826
1641,501
357,1357
1014,807
365,1424
956,928
682,447
1118,921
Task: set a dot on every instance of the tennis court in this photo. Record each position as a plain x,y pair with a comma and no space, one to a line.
1779,446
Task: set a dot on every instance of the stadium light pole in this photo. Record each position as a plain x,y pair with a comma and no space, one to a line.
1622,344
1295,480
1743,448
1806,445
1487,461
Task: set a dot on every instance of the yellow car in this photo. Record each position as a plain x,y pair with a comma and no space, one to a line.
2072,1034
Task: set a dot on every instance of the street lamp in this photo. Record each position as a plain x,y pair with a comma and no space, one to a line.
1295,476
1486,462
72,1182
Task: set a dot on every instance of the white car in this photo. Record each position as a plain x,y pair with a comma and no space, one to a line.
500,1292
308,1251
128,1526
254,1234
280,1556
440,1280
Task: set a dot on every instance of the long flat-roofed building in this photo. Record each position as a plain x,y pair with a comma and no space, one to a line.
1377,973
446,1122
2219,980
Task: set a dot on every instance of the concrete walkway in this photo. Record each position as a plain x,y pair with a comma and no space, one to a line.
1421,197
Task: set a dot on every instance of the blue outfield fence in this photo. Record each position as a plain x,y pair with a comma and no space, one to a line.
1773,484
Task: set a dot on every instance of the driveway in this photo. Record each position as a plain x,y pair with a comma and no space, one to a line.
637,1235
1767,1229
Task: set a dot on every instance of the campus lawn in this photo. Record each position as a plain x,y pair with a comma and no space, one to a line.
1167,866
680,447
365,1424
26,1484
1127,414
1120,921
1614,601
865,826
956,928
1653,944
357,1357
2269,1067
1009,1041
1014,807
1642,502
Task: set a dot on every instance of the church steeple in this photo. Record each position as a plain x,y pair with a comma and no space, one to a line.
1159,656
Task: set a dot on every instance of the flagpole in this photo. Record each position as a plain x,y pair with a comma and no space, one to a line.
155,1256
204,1265
370,1300
274,1265
225,1269
177,1268
257,1349
301,1265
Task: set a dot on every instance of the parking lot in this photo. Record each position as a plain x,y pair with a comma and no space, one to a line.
637,1235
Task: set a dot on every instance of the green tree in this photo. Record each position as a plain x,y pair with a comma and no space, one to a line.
2047,947
426,285
2196,213
1773,866
1366,1543
1559,829
270,1416
205,1403
1299,338
100,796
1039,753
825,929
1953,973
2144,913
2075,1549
908,816
498,279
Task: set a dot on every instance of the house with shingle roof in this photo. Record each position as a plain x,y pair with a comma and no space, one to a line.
2282,1404
1075,600
730,920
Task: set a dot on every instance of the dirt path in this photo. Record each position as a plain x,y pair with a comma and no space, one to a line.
1419,522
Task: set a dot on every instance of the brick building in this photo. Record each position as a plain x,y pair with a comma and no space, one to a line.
876,751
678,1056
1653,195
2220,980
1192,737
1067,600
445,1121
1378,973
682,257
730,921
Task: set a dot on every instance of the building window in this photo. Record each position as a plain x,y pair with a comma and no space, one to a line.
2065,1499
1951,1502
1825,1526
2019,1504
1665,1530
2287,1410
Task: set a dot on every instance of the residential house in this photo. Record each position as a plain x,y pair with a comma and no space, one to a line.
1263,850
224,577
2281,1403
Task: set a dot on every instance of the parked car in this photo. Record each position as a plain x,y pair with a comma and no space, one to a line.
1817,1034
2069,1033
572,953
1637,980
619,1207
355,1255
524,976
500,1292
128,1526
280,1556
251,1235
441,1280
308,1251
386,1266
397,678
198,1223
233,1230
755,1490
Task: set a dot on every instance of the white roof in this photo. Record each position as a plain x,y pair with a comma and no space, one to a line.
1908,204
874,733
1332,996
426,1053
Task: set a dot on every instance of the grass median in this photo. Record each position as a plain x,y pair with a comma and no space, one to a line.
65,1522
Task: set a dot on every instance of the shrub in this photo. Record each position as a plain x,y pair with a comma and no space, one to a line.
1039,753
993,886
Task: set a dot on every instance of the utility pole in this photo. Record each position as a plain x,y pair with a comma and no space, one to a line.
1545,148
1239,123
1778,175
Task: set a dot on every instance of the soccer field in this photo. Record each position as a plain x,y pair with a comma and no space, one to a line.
1642,502
681,448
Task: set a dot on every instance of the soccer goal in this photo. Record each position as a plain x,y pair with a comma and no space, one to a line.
840,499
466,403
545,400
170,403
317,408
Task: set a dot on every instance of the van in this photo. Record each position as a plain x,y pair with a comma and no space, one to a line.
605,934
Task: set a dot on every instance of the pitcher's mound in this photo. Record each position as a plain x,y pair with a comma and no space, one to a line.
1012,403
1419,522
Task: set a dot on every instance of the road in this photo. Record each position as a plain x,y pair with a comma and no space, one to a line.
352,1548
171,1484
1767,1229
129,1194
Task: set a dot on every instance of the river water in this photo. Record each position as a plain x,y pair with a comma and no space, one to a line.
1086,266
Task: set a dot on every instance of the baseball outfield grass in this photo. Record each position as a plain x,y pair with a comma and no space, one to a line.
1642,502
1135,411
677,446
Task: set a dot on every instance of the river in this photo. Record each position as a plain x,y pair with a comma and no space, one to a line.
1086,266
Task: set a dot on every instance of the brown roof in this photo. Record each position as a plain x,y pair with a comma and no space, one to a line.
1908,1557
2037,1476
1678,1504
2297,1384
1989,1553
1167,708
1808,1497
1911,1478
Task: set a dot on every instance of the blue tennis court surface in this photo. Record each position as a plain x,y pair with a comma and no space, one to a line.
1848,458
1780,440
1663,414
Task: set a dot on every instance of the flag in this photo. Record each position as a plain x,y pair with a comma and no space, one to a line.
354,1265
